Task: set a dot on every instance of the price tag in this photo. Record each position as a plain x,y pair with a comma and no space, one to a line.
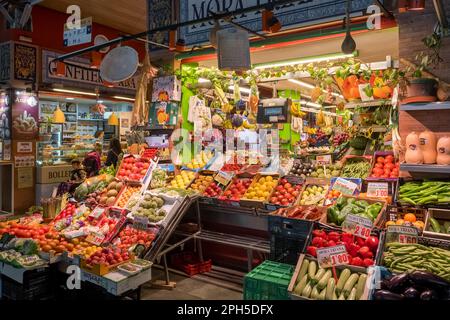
332,256
95,238
358,226
324,159
223,177
140,223
344,186
97,213
402,234
378,189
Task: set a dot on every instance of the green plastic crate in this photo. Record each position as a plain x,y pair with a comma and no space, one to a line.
268,281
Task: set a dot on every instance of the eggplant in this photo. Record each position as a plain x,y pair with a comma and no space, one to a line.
429,295
387,295
429,280
398,283
411,293
384,284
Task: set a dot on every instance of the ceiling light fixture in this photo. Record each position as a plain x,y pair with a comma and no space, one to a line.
70,98
327,57
123,98
75,92
310,86
416,5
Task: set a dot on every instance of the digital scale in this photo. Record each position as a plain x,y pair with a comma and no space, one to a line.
274,110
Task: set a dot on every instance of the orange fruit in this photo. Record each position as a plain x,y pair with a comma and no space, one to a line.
410,217
390,223
400,222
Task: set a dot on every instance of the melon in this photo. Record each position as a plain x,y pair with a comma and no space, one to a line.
110,201
112,193
119,186
112,185
103,200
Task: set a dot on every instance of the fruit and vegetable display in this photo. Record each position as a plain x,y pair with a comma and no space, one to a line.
356,168
126,194
200,160
300,212
438,226
159,177
316,283
201,183
409,220
107,257
424,193
92,185
232,167
150,207
337,213
133,169
362,252
302,169
236,189
415,285
213,190
401,257
183,179
385,167
285,193
327,171
313,195
109,195
261,188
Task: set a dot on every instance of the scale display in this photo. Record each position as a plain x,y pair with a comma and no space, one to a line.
273,111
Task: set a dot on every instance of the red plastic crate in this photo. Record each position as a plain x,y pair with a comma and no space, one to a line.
189,263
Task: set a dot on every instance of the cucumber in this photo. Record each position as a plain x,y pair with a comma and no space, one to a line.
330,289
303,270
360,286
315,293
301,285
435,225
322,294
324,280
312,269
341,297
350,284
345,274
352,295
318,276
307,290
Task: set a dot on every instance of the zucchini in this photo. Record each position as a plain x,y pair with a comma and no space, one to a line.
341,297
322,294
312,267
330,289
301,285
350,284
435,225
324,280
303,270
345,274
352,295
360,286
315,293
318,276
307,290
334,295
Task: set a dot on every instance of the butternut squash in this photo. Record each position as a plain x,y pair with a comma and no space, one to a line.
443,151
413,153
428,146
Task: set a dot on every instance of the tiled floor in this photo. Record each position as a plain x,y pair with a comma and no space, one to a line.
188,289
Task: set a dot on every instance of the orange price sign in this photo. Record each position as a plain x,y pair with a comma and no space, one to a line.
332,256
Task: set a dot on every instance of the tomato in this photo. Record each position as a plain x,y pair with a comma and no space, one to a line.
380,159
389,159
389,165
379,165
387,172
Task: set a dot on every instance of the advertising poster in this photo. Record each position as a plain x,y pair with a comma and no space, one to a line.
25,115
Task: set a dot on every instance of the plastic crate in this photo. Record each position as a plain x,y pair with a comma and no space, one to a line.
288,238
36,286
190,264
268,281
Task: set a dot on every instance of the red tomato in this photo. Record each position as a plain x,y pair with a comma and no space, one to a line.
389,159
380,159
389,165
379,165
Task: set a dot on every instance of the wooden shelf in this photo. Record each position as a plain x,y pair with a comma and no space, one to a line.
365,104
426,106
425,168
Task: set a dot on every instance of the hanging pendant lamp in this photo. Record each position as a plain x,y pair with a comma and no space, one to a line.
58,116
349,44
113,120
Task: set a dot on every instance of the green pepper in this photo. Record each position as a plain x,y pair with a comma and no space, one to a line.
332,214
357,209
362,203
373,210
351,200
341,217
341,202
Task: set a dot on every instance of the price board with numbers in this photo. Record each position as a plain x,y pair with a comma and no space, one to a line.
223,177
345,186
140,223
402,234
96,238
378,189
324,159
332,256
358,226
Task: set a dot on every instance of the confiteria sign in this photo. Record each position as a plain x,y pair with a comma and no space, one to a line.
78,74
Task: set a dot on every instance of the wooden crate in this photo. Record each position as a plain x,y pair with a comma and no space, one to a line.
313,181
441,214
257,203
394,213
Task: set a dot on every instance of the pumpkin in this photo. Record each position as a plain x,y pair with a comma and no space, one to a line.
413,153
443,151
428,146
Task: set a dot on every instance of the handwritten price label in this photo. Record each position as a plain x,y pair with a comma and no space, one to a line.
95,238
332,256
377,189
358,226
344,186
324,160
140,223
223,177
402,234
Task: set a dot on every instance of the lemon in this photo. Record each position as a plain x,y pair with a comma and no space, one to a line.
269,178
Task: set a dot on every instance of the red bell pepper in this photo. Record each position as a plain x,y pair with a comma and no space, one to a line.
347,237
360,241
331,243
368,262
335,236
311,250
365,252
353,249
357,261
319,233
317,241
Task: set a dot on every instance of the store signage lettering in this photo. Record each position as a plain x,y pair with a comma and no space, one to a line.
295,14
58,174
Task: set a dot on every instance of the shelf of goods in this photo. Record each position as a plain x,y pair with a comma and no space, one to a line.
425,168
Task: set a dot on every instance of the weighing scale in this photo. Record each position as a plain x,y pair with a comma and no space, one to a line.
274,110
